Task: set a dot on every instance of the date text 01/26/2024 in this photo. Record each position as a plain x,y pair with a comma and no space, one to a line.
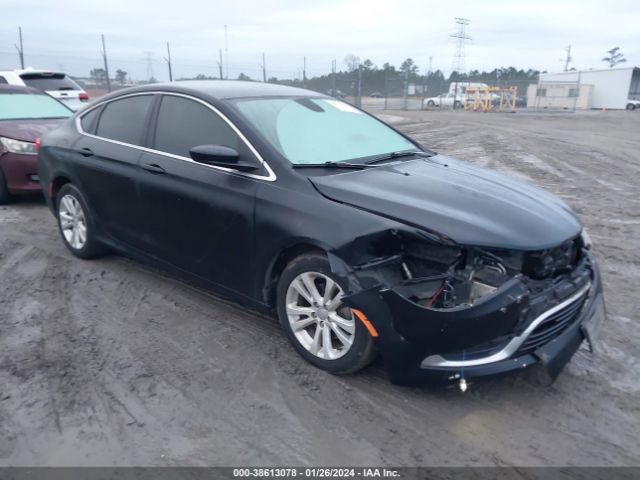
362,472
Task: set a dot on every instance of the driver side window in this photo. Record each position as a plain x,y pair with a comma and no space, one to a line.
183,124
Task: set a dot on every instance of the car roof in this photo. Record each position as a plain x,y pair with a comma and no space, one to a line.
226,89
6,88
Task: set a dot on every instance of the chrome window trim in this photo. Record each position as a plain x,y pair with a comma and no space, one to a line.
271,177
511,347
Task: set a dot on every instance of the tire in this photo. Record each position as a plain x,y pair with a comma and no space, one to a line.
76,223
337,322
457,104
431,103
5,196
631,106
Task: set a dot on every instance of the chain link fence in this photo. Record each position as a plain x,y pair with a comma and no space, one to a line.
369,87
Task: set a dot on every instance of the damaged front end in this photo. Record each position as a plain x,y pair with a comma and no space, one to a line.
445,311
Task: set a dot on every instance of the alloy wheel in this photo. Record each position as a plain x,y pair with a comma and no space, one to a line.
320,322
72,222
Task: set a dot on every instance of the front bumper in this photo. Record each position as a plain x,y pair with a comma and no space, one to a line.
501,335
21,173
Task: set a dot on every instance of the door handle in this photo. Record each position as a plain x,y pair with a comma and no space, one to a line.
153,168
86,152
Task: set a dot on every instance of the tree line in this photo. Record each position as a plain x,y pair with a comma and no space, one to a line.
367,78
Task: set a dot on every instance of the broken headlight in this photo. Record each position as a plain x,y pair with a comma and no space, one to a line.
439,276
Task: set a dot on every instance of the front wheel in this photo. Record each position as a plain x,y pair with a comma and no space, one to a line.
431,103
76,224
320,327
631,106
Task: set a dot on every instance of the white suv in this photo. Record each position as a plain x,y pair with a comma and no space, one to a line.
56,84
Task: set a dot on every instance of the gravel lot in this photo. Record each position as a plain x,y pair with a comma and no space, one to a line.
110,362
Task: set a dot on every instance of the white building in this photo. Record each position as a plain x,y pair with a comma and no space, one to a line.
607,88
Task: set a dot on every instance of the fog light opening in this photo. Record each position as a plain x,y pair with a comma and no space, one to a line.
462,384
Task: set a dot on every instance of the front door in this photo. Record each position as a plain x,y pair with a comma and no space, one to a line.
198,218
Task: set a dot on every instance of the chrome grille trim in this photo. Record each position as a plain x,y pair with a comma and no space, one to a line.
513,345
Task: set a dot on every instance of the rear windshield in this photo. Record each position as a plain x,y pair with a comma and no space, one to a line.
49,81
14,106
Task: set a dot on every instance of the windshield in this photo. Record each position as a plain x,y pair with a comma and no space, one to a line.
21,106
318,130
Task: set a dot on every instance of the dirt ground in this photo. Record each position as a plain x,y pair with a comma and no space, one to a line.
109,362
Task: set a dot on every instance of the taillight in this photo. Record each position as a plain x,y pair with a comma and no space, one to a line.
83,97
37,142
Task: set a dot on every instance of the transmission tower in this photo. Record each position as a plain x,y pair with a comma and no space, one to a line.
149,59
461,38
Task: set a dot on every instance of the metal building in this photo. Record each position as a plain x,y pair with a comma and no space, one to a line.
608,88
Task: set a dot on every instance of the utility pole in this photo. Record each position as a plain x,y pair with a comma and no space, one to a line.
304,72
568,59
359,98
226,53
405,90
220,66
264,69
106,65
459,56
333,71
168,60
20,49
149,60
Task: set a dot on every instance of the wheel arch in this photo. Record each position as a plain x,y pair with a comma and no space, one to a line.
56,184
280,262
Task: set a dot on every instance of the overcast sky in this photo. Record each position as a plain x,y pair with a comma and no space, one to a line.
64,34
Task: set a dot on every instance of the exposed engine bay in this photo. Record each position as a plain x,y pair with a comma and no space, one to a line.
440,276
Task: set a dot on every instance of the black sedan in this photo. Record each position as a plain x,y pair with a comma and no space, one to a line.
360,240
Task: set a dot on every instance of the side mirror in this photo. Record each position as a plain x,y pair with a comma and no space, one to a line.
220,156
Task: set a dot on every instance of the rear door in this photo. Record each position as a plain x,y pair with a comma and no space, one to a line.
199,218
106,158
59,86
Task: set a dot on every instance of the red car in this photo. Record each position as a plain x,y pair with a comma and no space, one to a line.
25,114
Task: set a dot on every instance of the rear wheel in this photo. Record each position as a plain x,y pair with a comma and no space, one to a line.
5,196
321,328
631,106
76,224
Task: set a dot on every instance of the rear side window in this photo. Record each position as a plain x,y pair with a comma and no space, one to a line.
124,120
88,121
183,124
49,81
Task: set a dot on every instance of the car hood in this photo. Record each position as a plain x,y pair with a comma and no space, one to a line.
470,205
27,130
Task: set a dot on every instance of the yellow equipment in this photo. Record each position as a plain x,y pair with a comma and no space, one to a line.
480,99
